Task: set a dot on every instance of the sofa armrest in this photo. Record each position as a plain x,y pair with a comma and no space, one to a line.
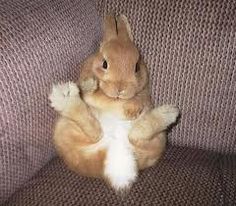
42,42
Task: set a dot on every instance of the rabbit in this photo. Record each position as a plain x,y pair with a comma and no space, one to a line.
108,127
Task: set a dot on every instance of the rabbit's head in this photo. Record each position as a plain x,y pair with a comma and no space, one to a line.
117,65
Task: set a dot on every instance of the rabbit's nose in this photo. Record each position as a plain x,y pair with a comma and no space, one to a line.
121,91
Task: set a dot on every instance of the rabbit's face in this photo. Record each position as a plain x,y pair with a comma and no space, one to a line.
117,66
119,70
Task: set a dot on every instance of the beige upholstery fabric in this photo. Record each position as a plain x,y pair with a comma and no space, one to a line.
42,42
183,177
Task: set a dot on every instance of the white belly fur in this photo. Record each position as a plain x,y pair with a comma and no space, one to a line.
120,164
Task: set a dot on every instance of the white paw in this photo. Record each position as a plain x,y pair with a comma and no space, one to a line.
169,113
120,183
63,94
89,85
120,165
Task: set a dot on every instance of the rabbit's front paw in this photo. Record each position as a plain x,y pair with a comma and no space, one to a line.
132,110
169,113
89,85
64,94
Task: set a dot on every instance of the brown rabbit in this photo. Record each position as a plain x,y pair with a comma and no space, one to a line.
109,127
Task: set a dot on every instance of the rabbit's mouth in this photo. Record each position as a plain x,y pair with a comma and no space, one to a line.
118,95
116,90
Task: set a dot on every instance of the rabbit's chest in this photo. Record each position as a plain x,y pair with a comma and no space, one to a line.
114,128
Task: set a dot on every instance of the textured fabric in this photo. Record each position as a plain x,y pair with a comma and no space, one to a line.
183,177
41,42
190,48
228,179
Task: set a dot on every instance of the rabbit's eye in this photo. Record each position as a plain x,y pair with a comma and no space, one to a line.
137,68
104,64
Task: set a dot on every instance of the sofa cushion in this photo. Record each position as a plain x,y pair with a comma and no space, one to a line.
228,179
189,47
41,42
183,177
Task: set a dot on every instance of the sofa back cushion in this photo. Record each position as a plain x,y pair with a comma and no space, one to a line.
42,42
190,48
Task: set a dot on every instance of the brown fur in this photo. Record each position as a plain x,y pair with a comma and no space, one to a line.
117,90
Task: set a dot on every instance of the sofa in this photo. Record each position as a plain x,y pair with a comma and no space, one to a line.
190,49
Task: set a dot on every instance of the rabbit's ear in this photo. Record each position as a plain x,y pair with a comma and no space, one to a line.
109,28
123,27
